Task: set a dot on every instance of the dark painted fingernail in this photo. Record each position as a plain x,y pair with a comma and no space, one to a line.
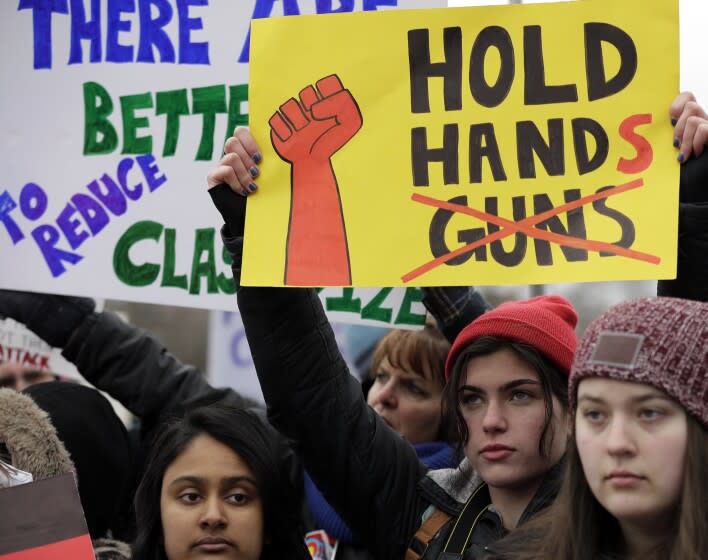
257,157
676,142
674,121
252,187
680,158
253,171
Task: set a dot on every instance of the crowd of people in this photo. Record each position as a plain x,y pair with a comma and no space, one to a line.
489,433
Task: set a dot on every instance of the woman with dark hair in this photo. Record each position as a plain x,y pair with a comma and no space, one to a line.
634,484
214,487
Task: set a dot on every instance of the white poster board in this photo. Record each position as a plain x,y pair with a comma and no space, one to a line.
113,112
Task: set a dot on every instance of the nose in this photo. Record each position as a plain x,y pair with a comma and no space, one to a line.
388,395
619,438
494,420
213,514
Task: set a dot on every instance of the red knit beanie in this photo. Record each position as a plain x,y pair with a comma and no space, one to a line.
545,322
659,341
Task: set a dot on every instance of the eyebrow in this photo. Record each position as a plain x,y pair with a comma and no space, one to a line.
228,481
638,399
409,374
504,388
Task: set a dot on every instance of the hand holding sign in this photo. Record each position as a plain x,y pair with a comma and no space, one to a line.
690,137
691,125
307,134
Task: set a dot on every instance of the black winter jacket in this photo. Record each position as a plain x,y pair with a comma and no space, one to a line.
376,482
135,368
692,267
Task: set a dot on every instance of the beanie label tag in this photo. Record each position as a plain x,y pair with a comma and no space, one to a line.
617,349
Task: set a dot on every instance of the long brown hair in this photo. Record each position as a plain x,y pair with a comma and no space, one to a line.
577,527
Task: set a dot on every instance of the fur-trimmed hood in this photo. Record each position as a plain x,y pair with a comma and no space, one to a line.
30,437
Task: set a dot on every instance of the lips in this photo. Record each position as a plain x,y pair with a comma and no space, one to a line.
213,543
624,479
496,451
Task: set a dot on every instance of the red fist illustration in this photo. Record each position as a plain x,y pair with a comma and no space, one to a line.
323,121
306,134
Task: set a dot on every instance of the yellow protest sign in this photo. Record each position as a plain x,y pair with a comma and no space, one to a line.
492,145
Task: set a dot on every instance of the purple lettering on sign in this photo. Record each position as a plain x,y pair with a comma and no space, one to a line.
85,215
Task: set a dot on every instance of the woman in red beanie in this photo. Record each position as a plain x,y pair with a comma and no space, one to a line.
635,484
508,386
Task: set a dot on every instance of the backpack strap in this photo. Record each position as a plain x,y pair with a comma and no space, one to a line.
461,532
426,532
466,522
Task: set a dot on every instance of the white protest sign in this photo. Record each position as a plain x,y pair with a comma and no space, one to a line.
113,112
22,346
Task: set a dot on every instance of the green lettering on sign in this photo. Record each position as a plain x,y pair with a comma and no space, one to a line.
405,315
99,135
345,303
373,309
127,271
203,244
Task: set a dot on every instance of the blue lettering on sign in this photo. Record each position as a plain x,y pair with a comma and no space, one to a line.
88,22
42,27
85,215
33,201
240,351
191,53
264,9
83,29
116,52
7,205
152,32
152,18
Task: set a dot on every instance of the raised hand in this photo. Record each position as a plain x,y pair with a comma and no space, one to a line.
238,167
690,126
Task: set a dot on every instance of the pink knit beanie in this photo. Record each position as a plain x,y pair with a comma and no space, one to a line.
659,341
545,322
